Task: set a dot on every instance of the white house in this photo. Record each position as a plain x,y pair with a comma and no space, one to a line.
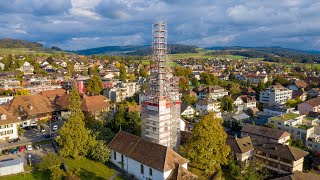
275,95
187,110
205,106
8,125
5,99
143,159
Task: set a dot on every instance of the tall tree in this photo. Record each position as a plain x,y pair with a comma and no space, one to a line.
234,88
195,82
123,72
95,85
207,149
22,92
227,104
74,139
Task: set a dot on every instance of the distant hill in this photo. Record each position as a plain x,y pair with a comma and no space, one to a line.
136,50
17,43
272,54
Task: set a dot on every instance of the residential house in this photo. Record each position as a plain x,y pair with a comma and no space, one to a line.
143,159
187,110
255,79
241,148
94,104
205,106
213,92
298,85
238,104
249,102
26,68
314,92
8,125
275,95
299,94
260,132
278,111
312,105
30,109
5,99
278,158
298,175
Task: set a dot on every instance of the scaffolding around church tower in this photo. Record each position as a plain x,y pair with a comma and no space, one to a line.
161,101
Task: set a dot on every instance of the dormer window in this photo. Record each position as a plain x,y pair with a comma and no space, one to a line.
30,106
3,117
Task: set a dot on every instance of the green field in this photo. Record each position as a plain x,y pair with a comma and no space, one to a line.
88,169
22,51
84,168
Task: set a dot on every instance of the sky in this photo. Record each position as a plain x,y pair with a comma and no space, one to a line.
81,24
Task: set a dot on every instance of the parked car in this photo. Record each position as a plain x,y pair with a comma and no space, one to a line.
55,127
14,151
5,152
22,149
29,147
13,140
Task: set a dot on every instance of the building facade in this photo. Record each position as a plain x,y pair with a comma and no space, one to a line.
275,95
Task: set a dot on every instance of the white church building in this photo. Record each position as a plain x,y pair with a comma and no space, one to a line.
146,160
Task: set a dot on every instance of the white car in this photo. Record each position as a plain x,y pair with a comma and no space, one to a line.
29,147
55,127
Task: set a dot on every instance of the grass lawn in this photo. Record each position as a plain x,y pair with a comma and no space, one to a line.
88,169
28,176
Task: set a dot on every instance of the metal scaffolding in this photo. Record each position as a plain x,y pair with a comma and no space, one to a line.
161,101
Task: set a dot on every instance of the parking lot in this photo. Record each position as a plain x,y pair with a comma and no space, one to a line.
33,135
36,154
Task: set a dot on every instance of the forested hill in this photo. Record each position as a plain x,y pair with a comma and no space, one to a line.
272,54
17,43
136,50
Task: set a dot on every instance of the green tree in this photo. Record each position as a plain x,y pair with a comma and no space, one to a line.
195,82
51,162
183,83
293,102
74,139
100,152
189,99
22,92
234,89
232,76
95,85
123,72
227,104
271,125
143,72
207,149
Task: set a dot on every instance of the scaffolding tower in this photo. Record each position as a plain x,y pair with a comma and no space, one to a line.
160,111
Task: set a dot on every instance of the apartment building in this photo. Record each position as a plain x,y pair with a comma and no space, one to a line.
301,127
205,106
213,92
261,132
278,158
275,95
121,91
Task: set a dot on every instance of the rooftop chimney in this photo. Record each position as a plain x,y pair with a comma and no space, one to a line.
3,117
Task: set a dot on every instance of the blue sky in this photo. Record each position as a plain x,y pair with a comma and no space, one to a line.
80,24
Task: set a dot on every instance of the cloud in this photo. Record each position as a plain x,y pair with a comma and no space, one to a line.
76,24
